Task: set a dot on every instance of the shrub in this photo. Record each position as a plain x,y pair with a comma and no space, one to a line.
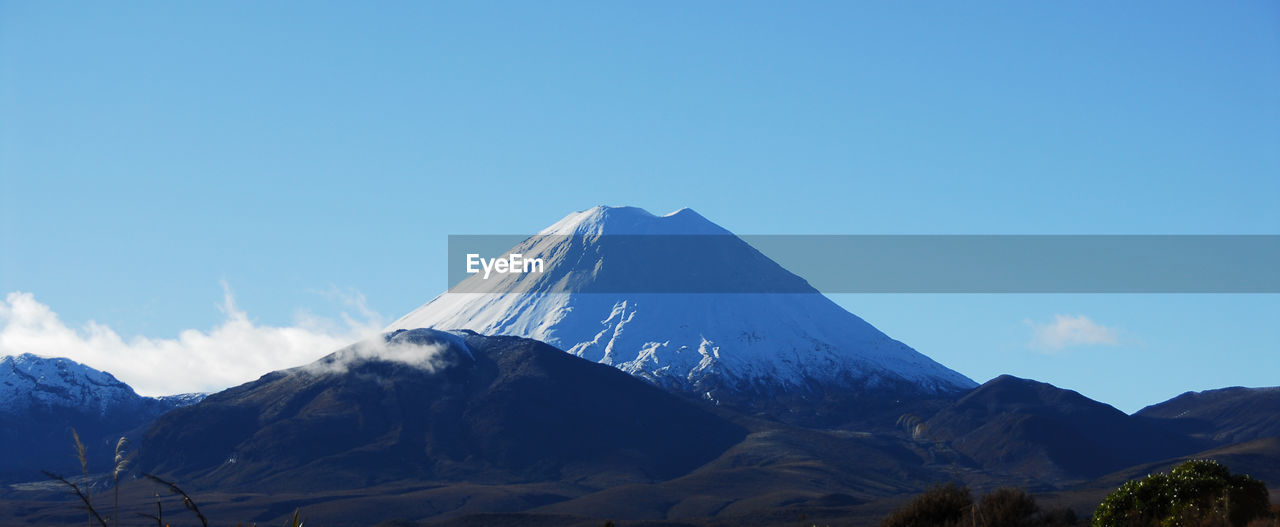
1195,493
939,506
1006,506
952,506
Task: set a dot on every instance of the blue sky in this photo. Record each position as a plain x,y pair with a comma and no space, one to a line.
309,153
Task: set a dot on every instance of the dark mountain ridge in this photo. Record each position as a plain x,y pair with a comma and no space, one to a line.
488,409
1224,416
1023,426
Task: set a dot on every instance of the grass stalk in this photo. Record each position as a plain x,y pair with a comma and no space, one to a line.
84,468
121,464
187,502
82,494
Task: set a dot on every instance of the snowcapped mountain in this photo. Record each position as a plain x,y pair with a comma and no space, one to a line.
42,399
592,301
29,382
182,399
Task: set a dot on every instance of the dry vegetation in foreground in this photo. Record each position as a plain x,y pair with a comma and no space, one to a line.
122,460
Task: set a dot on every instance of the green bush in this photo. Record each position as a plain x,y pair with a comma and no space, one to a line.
1195,493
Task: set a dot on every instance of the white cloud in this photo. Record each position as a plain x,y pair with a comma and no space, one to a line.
429,357
234,352
1068,331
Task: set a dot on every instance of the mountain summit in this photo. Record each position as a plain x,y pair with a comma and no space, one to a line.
603,220
681,302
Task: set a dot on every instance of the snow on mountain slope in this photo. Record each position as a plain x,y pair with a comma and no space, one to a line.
30,382
182,399
43,399
687,341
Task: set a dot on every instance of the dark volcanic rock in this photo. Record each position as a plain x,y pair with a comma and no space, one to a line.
1229,415
1027,427
452,407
